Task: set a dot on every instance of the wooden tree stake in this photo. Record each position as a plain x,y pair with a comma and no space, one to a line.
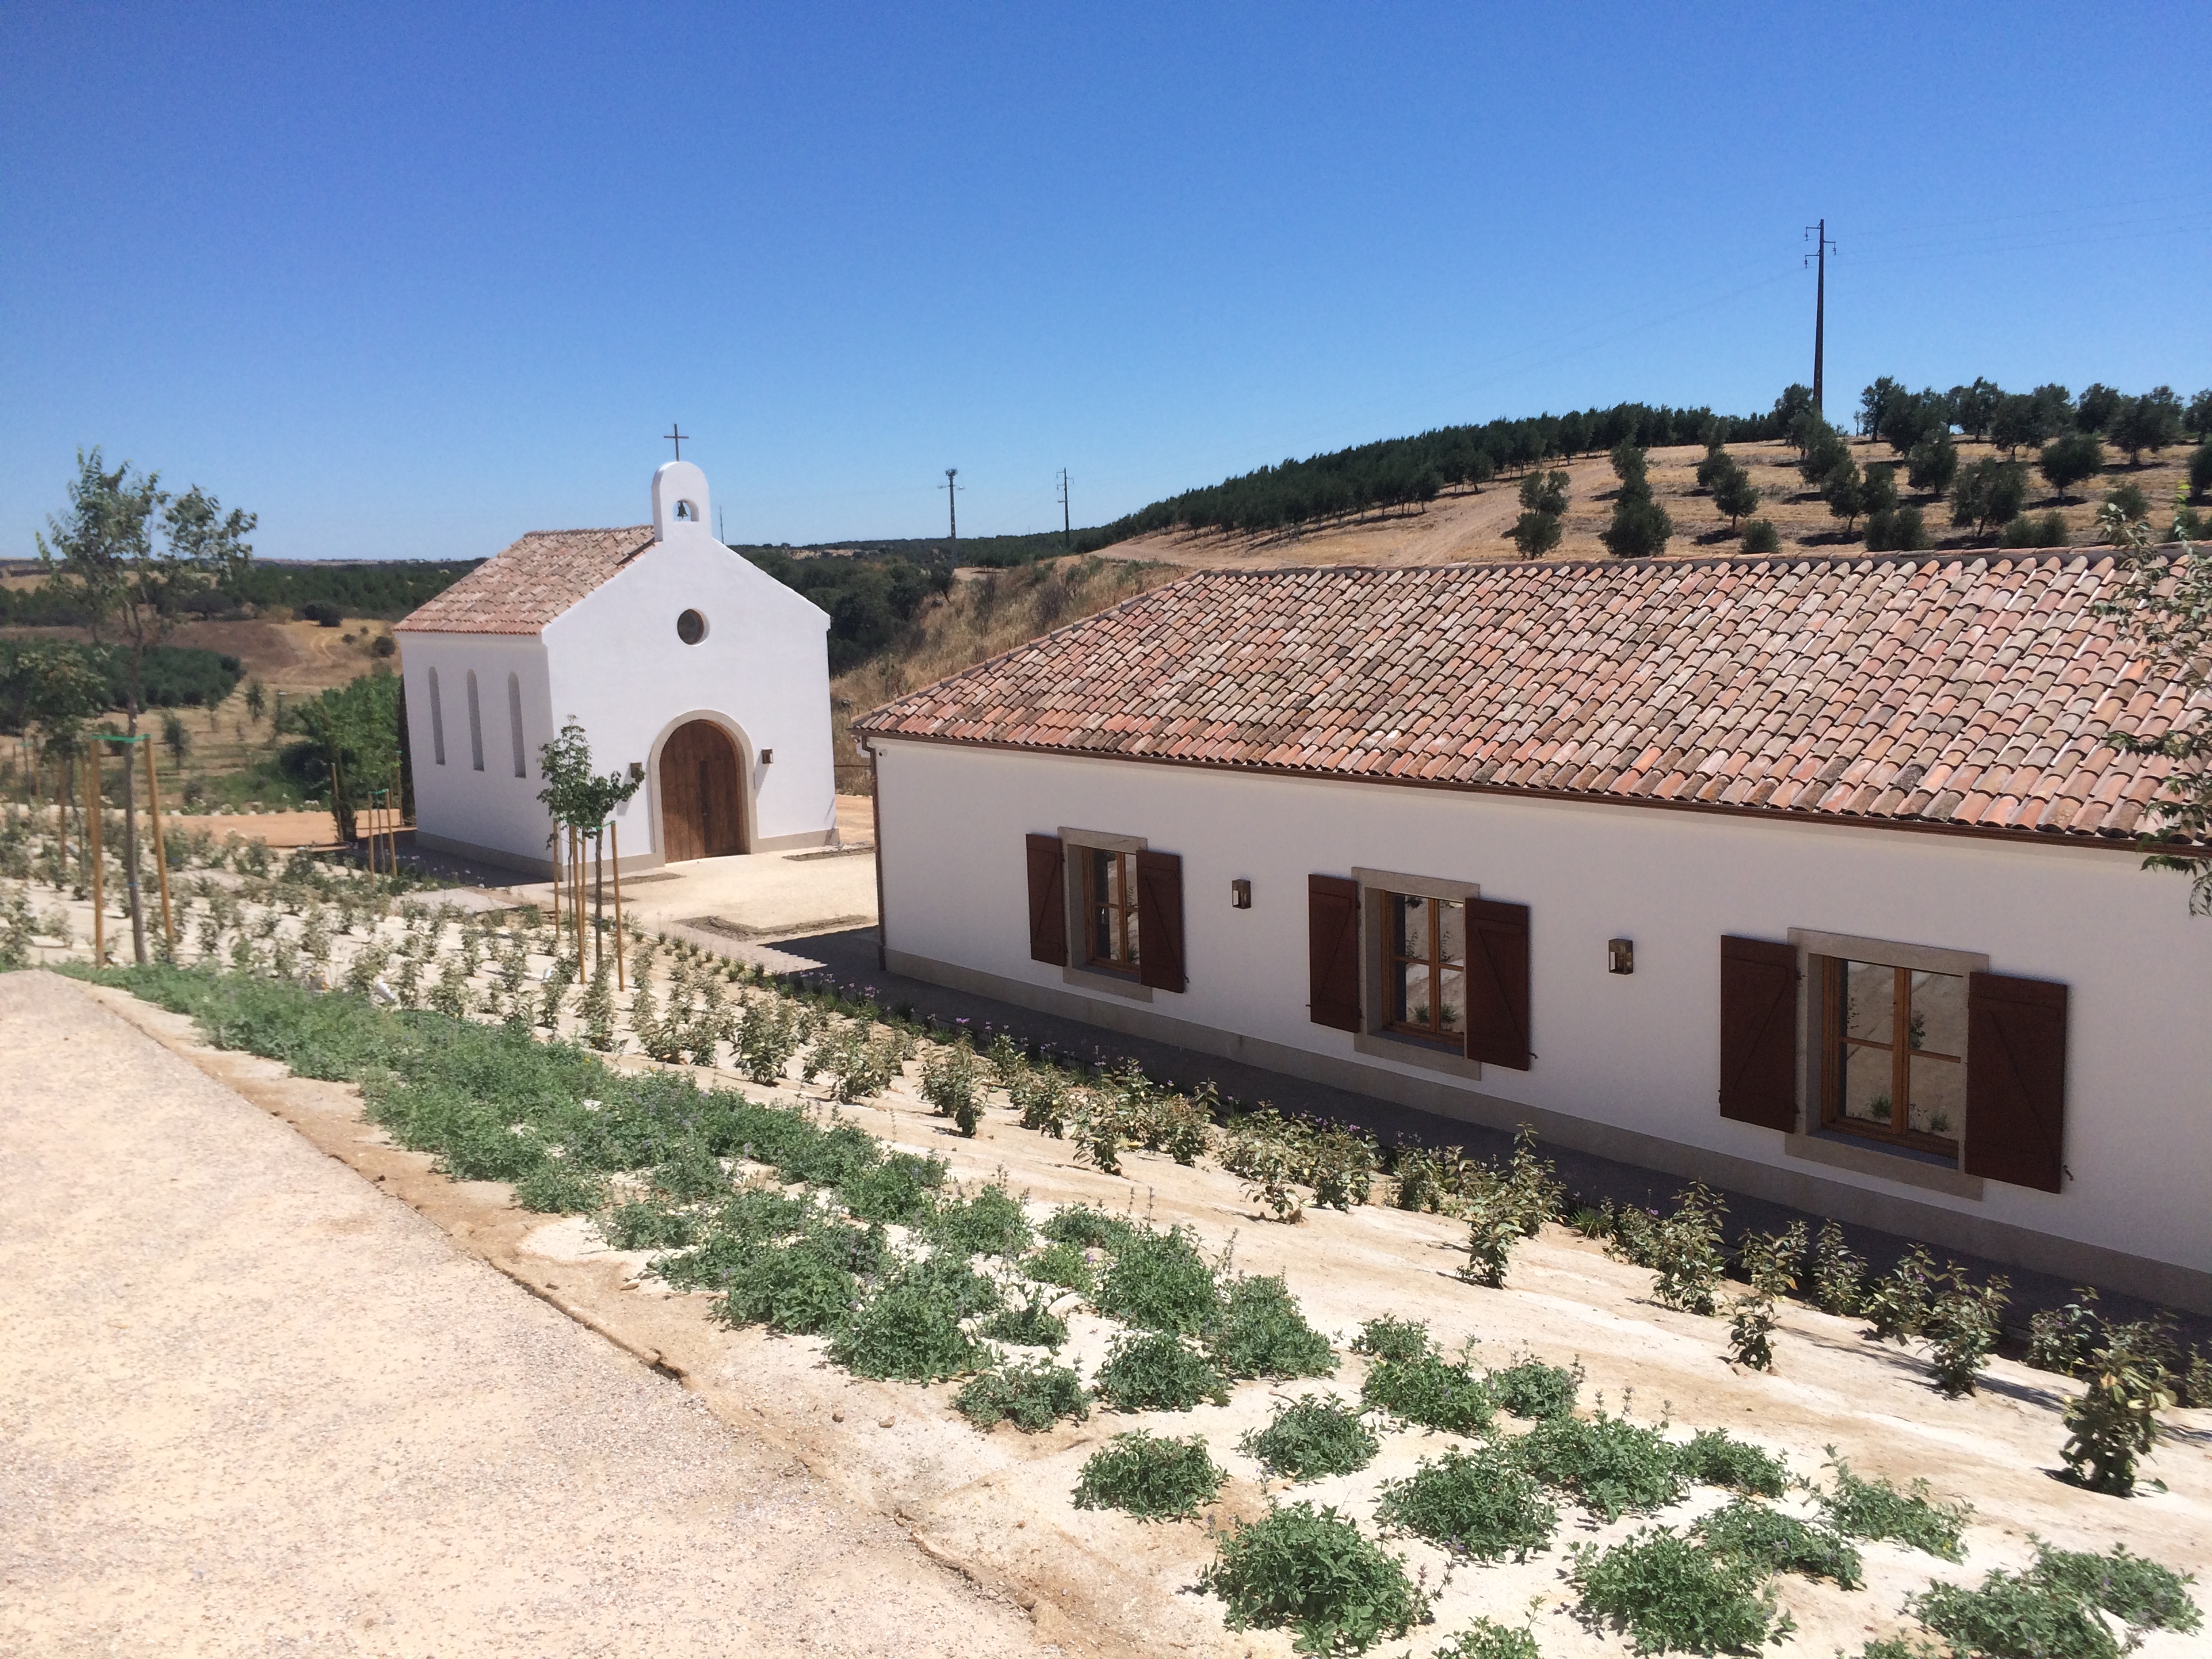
93,850
160,853
614,831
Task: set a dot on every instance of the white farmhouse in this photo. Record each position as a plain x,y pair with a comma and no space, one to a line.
678,656
1812,878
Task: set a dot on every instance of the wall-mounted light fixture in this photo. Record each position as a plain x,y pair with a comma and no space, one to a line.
768,757
1240,894
1620,955
637,771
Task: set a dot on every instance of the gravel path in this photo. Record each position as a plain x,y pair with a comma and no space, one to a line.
249,1405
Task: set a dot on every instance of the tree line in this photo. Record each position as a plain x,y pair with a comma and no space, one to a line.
870,597
388,589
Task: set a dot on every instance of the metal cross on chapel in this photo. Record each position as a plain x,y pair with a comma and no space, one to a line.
679,435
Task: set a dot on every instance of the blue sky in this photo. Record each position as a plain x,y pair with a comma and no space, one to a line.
408,281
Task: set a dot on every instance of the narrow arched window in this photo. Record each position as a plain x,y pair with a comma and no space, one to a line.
437,722
475,724
514,721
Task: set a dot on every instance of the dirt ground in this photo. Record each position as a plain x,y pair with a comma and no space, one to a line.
250,1403
997,1505
1468,526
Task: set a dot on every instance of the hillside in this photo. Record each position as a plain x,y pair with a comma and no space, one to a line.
1468,525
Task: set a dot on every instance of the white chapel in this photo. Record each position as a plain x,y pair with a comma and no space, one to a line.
680,657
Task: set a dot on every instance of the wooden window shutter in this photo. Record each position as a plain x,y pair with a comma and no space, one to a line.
1047,900
1497,983
1758,1032
2015,1080
1159,921
1333,951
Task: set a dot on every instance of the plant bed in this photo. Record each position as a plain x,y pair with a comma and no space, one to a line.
1311,1571
1152,1477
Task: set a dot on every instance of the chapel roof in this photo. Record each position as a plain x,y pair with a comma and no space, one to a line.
525,586
1963,691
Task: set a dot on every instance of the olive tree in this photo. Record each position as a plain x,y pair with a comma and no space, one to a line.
2067,461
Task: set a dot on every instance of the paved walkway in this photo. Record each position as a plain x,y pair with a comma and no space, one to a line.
250,1405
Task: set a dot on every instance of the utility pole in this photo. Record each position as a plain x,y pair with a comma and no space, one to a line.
1067,534
1821,248
951,498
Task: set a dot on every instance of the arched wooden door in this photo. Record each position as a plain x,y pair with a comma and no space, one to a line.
702,806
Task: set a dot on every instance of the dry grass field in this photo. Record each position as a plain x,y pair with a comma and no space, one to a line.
1469,525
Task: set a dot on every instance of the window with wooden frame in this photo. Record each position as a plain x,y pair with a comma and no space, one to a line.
1893,1053
1426,968
1109,911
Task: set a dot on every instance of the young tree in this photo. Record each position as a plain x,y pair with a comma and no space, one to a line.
1761,536
133,586
579,799
1629,465
1933,464
2200,472
1536,533
1735,495
350,743
2066,461
174,737
1544,492
1823,449
1844,490
2126,499
1795,404
1973,407
1987,492
1876,402
2019,423
257,700
2197,418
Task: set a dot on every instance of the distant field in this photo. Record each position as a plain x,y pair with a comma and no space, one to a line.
1465,525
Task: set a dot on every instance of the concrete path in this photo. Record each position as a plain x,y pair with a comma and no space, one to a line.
250,1405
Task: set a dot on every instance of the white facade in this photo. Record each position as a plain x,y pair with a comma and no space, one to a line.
1625,1065
615,661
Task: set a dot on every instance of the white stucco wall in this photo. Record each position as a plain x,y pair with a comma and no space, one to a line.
614,661
1638,1051
492,808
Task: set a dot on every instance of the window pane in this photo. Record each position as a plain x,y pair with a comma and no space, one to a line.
1129,914
1409,925
1866,1084
1411,989
1455,1002
1870,992
1939,1095
1939,1013
1451,930
1100,880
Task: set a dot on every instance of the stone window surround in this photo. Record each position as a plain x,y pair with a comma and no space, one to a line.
1374,1039
1083,978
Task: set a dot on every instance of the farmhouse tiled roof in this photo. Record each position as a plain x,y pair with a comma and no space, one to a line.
1968,692
526,585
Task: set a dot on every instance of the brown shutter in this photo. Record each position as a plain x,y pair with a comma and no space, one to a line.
1333,951
1159,921
1497,983
1047,900
1758,1032
2015,1080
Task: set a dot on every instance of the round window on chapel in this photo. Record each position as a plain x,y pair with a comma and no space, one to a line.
690,628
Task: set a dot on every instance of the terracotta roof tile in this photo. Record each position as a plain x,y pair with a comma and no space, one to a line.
522,588
1938,690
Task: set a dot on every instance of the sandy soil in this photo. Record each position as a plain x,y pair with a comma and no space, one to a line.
997,1504
250,1404
1473,526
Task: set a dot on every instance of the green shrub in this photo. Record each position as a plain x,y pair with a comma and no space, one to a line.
1529,1387
557,1187
953,1086
1261,1332
1028,1324
648,1223
1859,1507
1752,1324
900,1190
1159,1282
1836,1273
1612,1467
1712,1459
1672,1595
1481,1504
1685,1253
990,1223
1775,1542
1387,1338
1487,1639
1312,1438
909,1331
2144,1593
2064,1338
1430,1391
1962,1323
1149,1476
1032,1396
2115,1421
1064,1265
1897,1303
1309,1570
1156,1372
1085,1228
1760,537
799,1289
2013,1617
